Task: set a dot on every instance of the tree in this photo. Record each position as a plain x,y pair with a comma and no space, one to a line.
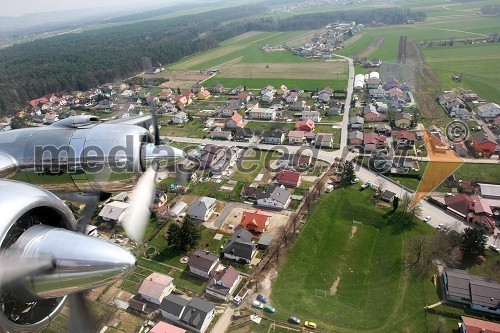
395,203
190,234
473,243
173,234
348,174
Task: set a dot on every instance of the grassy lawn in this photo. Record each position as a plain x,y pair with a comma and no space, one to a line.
212,189
192,129
374,293
489,173
188,282
251,164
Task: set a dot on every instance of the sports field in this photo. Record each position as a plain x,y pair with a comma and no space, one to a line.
360,269
241,62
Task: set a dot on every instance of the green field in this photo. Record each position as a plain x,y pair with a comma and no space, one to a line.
374,292
479,65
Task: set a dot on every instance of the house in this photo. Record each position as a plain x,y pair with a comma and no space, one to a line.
180,118
223,284
240,247
255,221
267,97
391,84
461,113
489,191
236,90
477,292
155,287
241,97
227,159
197,88
387,196
301,161
221,135
253,103
264,241
163,327
291,97
203,263
105,104
474,209
243,134
204,94
298,106
274,198
262,113
252,193
238,104
296,137
373,116
323,140
403,120
217,88
490,110
382,107
356,138
274,136
373,83
456,105
165,95
305,125
229,110
288,178
485,144
383,129
235,121
268,89
324,97
114,211
373,140
473,325
377,92
202,208
313,115
334,109
405,139
357,122
195,314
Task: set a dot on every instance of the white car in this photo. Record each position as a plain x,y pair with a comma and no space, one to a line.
426,219
355,180
494,248
258,304
440,226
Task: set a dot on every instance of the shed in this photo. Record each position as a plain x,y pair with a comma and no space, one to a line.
265,241
178,209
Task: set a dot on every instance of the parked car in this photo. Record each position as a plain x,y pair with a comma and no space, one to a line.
310,324
426,219
355,181
440,226
258,304
494,248
262,298
294,320
269,308
366,185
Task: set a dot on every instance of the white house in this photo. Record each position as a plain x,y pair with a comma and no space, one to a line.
180,118
223,283
203,263
267,97
155,287
490,110
195,314
313,115
202,208
274,198
262,113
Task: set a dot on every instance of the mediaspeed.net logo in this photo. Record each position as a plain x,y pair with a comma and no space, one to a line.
442,159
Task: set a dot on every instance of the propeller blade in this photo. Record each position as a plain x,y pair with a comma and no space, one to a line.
136,220
156,128
15,268
80,320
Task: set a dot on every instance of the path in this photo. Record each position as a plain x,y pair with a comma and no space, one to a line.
224,321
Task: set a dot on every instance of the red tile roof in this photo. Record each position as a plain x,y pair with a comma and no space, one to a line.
405,135
288,177
373,138
228,276
255,221
474,325
305,125
163,327
154,285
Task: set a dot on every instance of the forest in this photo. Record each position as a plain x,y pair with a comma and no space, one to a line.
79,61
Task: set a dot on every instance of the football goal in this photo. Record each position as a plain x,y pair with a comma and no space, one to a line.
357,222
319,292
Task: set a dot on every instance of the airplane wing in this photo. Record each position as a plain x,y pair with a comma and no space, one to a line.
135,120
8,165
